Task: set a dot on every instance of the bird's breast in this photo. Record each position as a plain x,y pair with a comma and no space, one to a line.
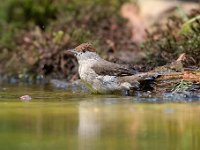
86,72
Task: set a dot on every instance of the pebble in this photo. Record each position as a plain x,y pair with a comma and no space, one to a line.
25,98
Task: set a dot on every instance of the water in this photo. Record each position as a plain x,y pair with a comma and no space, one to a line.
56,119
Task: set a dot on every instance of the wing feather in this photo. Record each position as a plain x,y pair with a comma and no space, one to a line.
112,69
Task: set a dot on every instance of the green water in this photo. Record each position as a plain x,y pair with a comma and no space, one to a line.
57,120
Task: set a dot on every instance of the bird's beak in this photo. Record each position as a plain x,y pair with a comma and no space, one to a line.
73,51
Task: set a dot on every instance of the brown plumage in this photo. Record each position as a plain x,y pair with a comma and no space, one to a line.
112,69
85,47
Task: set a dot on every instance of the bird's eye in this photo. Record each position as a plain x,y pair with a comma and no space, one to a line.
83,51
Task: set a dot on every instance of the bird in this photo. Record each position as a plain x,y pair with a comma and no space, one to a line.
102,76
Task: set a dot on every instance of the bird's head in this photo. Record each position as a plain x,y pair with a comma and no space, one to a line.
84,51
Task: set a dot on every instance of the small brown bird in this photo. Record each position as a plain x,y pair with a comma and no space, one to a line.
100,75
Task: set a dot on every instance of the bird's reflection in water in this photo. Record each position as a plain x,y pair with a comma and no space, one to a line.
89,125
98,120
114,124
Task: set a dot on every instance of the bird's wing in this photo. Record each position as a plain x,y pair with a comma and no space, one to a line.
112,69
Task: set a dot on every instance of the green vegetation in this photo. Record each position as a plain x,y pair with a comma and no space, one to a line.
23,14
182,86
175,37
73,14
34,33
188,26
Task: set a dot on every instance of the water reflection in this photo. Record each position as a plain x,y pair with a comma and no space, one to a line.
57,121
89,125
133,126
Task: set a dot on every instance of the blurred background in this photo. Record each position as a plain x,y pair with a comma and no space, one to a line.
35,34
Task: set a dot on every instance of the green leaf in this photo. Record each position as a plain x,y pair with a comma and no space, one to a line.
186,28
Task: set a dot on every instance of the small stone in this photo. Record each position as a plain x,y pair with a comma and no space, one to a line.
25,98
